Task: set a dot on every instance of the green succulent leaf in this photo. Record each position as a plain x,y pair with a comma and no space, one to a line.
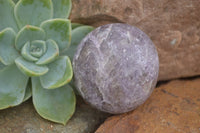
38,48
77,35
57,105
59,30
33,12
13,84
28,34
75,25
51,53
28,92
62,8
7,15
60,73
7,51
26,53
15,1
2,66
30,68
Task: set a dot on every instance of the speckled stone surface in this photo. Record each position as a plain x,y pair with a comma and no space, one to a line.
116,68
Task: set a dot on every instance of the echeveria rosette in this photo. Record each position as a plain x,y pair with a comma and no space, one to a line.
35,37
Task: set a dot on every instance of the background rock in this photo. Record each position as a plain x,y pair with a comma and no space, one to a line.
172,108
24,119
173,25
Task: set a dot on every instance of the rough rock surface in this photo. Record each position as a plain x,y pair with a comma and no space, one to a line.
116,68
24,119
173,25
172,108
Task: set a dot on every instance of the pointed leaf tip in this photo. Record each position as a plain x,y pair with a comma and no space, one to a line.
56,105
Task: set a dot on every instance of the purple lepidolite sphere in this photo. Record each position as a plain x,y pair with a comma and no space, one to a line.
116,68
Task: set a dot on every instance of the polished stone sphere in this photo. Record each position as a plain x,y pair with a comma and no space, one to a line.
116,68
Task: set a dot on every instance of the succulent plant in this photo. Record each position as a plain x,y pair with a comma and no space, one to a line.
35,38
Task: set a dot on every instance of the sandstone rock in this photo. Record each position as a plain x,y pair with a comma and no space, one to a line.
172,108
173,25
24,119
116,68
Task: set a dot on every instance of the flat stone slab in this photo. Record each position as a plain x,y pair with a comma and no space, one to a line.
24,119
172,108
173,26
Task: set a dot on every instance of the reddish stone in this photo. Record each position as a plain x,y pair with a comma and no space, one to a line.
172,108
173,25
